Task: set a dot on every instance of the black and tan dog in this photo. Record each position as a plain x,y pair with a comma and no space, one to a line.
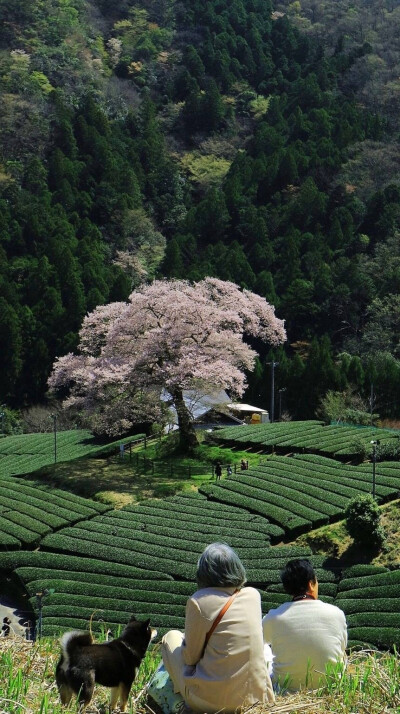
113,664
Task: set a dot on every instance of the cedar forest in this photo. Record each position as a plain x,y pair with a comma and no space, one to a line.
235,139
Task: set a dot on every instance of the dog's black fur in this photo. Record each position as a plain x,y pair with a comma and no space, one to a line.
113,664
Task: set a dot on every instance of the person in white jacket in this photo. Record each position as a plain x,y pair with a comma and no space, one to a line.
304,634
230,673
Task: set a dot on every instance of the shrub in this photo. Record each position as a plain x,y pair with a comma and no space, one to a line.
359,448
357,416
388,452
363,521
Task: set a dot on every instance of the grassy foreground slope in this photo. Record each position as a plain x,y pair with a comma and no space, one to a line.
369,685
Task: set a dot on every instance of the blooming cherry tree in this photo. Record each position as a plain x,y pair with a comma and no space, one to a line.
172,335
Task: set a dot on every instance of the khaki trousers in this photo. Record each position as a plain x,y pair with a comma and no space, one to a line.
171,652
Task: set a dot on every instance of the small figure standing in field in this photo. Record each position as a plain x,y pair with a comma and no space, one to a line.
229,470
5,630
28,630
218,471
244,465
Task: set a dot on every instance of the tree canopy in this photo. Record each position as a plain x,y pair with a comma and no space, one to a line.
169,337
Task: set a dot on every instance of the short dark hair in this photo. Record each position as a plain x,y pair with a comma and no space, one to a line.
296,575
220,566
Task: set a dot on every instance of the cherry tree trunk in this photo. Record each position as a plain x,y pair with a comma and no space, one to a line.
187,433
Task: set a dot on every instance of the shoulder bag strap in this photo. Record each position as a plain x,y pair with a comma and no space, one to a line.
219,618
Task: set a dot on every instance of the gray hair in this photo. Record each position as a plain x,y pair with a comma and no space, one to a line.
220,566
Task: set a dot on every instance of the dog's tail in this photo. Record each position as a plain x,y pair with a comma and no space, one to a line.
72,641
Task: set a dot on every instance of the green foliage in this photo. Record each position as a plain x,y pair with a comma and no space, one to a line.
206,170
310,198
388,452
359,448
363,521
259,106
357,416
30,511
332,406
369,597
40,559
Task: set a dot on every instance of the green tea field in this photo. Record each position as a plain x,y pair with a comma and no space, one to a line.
91,560
302,436
26,453
304,491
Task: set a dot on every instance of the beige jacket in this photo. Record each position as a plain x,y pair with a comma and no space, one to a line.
232,673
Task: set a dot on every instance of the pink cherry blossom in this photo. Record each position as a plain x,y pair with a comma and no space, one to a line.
172,335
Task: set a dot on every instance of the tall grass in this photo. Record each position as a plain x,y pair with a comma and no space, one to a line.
27,681
369,684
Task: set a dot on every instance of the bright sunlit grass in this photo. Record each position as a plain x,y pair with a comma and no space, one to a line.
27,681
370,684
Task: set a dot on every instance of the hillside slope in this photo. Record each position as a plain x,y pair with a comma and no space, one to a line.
191,140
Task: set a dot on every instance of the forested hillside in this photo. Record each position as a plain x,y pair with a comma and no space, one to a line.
227,138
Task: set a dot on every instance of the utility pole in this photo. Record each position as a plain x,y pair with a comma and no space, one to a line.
374,445
282,389
54,417
272,409
39,600
2,415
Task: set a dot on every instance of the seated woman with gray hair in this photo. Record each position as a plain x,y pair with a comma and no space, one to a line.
218,663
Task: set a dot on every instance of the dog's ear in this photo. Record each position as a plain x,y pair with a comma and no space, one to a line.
132,618
146,623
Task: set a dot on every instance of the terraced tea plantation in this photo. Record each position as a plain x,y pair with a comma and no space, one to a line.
94,561
26,453
370,598
312,436
169,536
142,561
303,491
29,511
112,591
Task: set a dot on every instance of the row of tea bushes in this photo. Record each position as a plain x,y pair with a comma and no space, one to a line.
170,542
38,560
293,517
26,453
370,599
30,510
266,434
346,479
336,441
111,590
152,534
110,593
38,570
200,516
304,491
